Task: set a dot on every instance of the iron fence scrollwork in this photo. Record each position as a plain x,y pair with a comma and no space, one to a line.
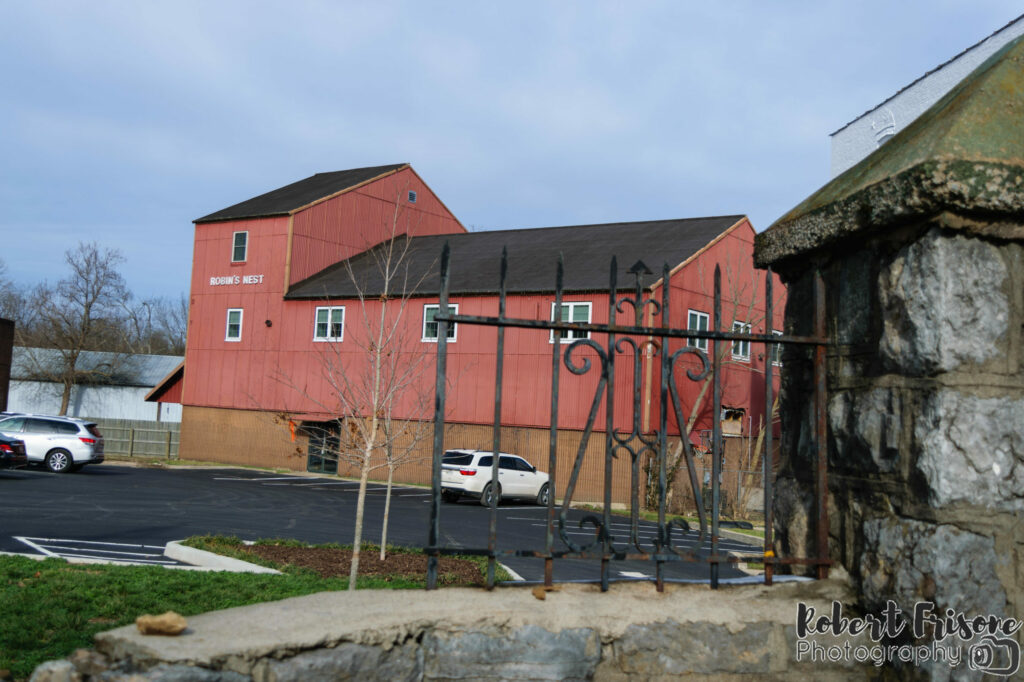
635,339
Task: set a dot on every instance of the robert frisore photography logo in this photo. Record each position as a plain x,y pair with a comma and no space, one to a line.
983,643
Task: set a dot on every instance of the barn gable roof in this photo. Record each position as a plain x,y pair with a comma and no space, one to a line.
532,255
288,199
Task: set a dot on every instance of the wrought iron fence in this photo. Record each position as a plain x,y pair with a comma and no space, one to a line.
637,443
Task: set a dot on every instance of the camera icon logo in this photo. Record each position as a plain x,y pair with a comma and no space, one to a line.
995,656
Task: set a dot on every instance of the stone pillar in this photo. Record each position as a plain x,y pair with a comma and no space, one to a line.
921,247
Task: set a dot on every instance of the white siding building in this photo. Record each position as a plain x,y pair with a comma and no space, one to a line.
122,397
870,130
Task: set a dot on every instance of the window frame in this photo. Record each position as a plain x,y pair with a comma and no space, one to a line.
738,346
454,328
329,338
227,325
701,344
571,304
776,352
244,246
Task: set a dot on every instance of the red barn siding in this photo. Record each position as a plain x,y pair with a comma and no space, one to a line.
347,224
277,366
280,367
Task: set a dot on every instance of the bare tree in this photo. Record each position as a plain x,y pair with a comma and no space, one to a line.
12,298
83,311
378,371
154,325
740,299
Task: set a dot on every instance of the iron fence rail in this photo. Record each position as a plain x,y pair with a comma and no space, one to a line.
637,443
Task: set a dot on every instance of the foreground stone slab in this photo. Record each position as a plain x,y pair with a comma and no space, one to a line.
577,632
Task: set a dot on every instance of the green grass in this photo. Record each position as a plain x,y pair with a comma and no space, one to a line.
50,608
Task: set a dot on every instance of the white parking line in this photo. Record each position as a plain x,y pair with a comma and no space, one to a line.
258,480
94,551
104,551
94,542
633,574
106,559
35,546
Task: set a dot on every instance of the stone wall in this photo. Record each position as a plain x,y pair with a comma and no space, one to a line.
925,417
920,247
574,633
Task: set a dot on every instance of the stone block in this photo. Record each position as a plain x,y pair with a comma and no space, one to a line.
866,429
971,450
173,673
944,305
347,661
910,561
794,512
55,671
854,314
671,648
527,653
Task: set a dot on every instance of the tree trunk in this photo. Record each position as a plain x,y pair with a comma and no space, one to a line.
387,510
357,542
65,398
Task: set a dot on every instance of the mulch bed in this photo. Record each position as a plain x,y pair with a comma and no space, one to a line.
335,563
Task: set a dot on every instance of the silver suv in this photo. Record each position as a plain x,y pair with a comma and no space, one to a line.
61,443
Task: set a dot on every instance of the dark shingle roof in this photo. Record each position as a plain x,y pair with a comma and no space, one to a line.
532,257
284,200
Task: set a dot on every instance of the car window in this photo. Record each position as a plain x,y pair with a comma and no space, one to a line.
65,427
457,458
506,462
15,424
41,426
523,465
486,461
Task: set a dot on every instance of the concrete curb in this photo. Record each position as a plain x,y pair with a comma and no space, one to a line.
209,560
741,537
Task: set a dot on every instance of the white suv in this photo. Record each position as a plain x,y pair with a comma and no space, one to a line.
61,443
468,472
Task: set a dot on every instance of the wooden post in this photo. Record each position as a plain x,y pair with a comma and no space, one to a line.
131,442
168,444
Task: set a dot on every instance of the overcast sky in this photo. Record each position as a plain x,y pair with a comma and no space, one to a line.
121,122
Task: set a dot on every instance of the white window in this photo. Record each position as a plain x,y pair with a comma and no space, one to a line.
431,325
776,350
741,349
697,322
233,332
571,312
239,247
329,324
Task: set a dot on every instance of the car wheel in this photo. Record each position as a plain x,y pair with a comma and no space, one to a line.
542,496
59,461
490,497
449,496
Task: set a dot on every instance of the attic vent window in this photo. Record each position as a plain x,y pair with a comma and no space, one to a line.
412,197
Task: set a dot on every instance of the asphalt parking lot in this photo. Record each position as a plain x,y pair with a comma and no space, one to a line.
125,513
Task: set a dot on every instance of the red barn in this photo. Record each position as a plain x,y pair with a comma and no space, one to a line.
286,279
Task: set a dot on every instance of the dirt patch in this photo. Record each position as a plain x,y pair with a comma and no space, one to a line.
335,563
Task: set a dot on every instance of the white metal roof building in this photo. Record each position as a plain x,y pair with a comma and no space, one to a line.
870,130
